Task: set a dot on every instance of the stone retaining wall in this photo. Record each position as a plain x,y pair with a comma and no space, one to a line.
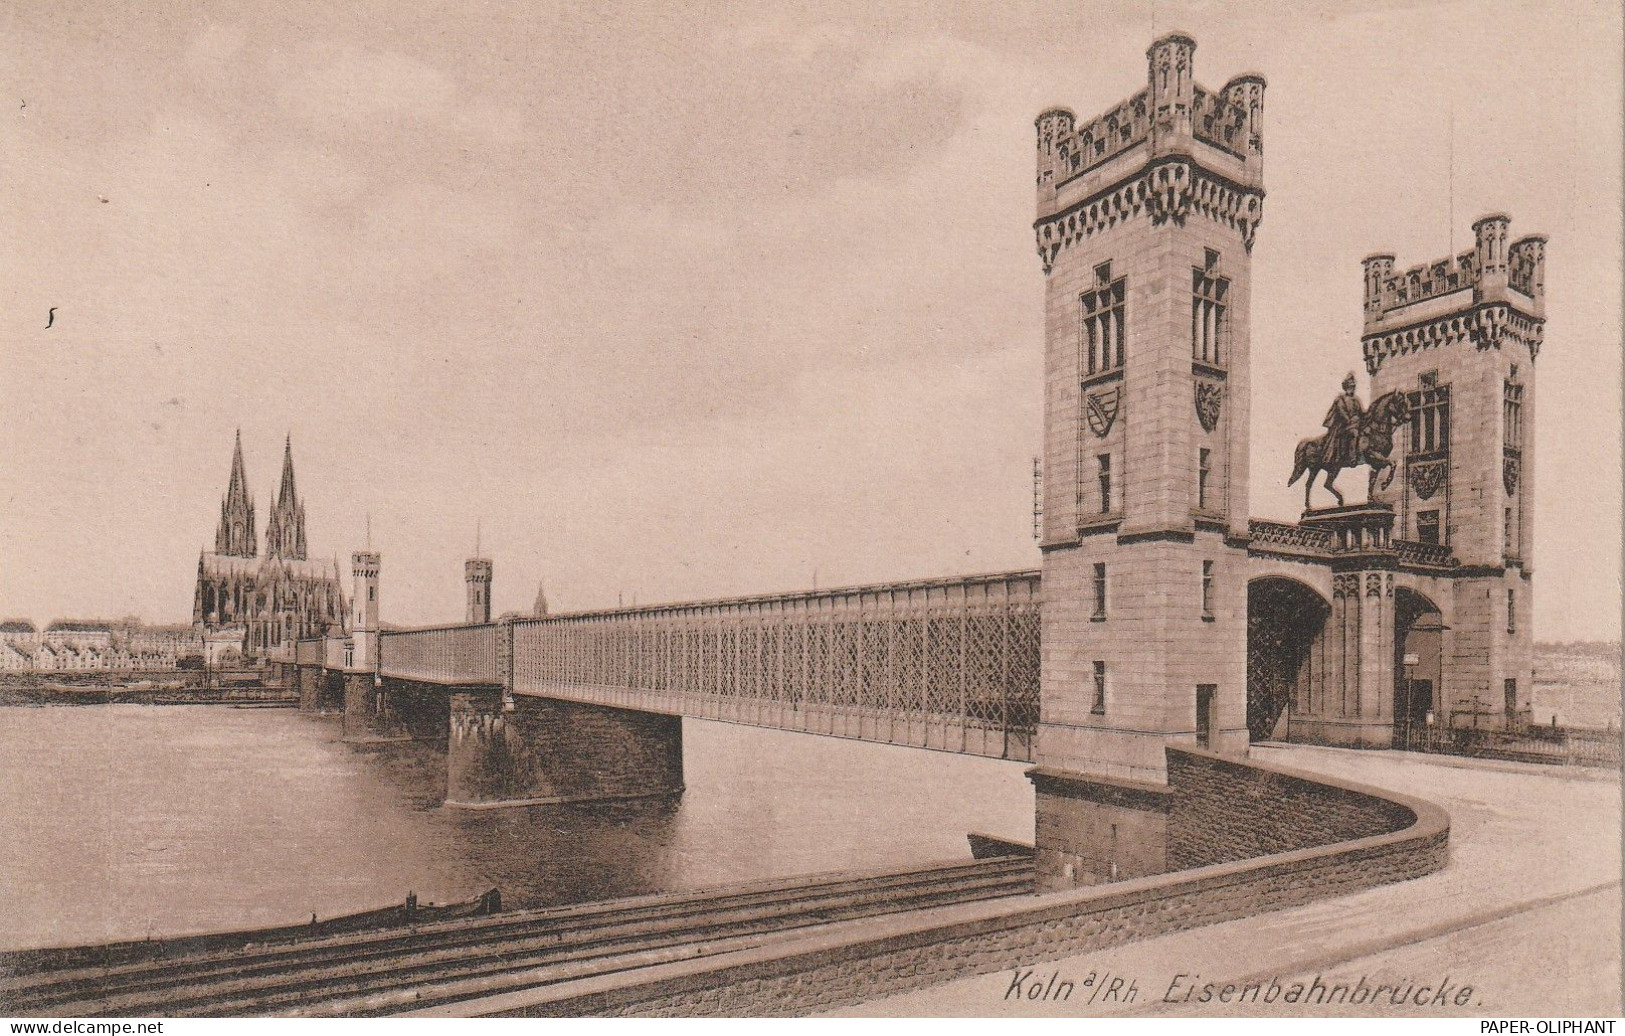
1225,809
858,961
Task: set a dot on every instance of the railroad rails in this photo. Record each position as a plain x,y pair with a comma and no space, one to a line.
393,971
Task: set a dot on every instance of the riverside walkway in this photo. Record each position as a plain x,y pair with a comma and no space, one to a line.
1527,913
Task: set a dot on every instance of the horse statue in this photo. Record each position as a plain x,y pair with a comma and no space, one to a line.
1373,442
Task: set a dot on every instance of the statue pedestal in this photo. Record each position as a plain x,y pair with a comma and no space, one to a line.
1356,526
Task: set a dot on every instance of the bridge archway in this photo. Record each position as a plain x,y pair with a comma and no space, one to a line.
1418,686
1285,620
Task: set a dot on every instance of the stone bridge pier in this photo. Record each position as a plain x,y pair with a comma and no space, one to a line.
369,713
540,751
313,683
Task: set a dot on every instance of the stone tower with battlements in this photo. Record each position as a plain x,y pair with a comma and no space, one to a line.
1146,219
1460,336
364,565
477,580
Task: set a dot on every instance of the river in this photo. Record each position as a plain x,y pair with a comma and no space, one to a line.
123,821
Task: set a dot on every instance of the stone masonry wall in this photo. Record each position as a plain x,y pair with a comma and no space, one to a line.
1224,810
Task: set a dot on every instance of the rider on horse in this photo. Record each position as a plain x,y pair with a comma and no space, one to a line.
1343,421
1354,436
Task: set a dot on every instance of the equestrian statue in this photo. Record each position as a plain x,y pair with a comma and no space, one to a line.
1354,436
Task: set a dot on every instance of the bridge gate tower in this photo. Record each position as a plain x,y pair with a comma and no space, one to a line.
1146,219
1460,336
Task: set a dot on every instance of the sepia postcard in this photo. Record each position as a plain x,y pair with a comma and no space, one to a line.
1097,510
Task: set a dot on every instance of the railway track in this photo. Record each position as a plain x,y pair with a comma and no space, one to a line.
400,970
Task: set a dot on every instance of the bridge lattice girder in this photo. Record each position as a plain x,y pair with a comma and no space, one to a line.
944,664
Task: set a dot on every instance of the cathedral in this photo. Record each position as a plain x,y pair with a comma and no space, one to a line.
272,598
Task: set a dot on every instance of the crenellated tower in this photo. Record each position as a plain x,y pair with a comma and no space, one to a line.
364,565
477,581
1460,337
1146,220
235,536
285,532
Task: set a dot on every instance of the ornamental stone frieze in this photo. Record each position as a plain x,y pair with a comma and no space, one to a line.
1166,191
1486,327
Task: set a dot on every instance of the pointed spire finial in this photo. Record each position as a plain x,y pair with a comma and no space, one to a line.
477,538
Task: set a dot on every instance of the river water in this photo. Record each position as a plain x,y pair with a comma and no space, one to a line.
123,821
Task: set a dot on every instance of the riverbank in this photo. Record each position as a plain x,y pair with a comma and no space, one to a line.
43,696
161,687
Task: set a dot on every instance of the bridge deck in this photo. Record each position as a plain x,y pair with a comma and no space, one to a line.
948,664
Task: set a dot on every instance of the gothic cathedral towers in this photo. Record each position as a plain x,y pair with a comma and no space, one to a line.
1146,217
274,597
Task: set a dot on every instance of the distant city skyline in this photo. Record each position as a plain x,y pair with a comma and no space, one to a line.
672,308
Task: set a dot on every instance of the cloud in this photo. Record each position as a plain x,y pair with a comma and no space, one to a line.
644,287
340,85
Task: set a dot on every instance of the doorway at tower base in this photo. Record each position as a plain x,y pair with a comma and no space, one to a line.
542,751
1214,809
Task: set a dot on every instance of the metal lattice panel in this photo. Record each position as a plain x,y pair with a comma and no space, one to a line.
958,654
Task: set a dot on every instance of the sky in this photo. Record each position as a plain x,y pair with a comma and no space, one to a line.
710,299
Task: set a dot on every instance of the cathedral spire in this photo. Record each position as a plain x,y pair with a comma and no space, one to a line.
239,480
286,492
235,534
285,532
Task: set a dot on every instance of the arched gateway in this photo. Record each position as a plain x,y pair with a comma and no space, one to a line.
1286,622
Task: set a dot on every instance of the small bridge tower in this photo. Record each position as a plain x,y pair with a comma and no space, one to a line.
364,622
477,581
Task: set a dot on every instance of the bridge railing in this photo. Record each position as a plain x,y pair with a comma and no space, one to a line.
441,654
1294,538
962,651
1287,538
1434,555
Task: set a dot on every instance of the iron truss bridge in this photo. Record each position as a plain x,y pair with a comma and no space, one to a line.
947,664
